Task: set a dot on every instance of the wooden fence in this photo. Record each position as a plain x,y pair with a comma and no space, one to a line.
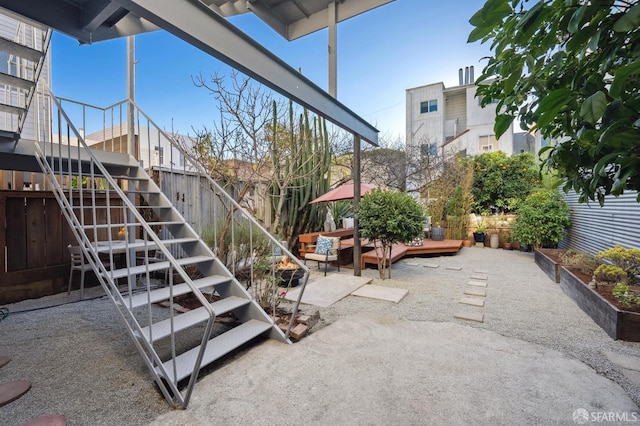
34,261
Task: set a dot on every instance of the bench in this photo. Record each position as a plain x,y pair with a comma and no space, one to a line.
308,241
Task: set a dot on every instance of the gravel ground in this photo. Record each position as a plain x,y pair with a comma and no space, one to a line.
83,364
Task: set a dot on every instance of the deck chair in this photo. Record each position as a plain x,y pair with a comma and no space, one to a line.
327,250
78,264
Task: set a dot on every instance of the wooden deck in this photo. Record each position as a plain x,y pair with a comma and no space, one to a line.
398,251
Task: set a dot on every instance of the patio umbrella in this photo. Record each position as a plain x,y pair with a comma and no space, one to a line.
343,192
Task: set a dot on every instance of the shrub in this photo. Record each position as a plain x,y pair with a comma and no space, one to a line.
542,219
389,217
610,274
627,259
625,295
584,262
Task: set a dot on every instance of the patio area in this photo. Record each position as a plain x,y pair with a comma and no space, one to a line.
535,358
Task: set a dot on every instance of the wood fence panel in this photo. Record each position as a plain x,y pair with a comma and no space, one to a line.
55,246
35,236
3,234
16,232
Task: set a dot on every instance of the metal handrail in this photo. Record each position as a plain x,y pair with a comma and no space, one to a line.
197,168
132,212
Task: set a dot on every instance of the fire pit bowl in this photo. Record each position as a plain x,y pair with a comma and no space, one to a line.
289,272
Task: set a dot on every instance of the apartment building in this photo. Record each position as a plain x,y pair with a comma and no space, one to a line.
441,119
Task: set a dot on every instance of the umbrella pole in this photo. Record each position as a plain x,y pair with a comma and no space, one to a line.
357,249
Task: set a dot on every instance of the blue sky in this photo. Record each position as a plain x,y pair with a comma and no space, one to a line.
381,53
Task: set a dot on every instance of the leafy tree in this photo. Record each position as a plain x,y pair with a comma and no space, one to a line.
542,219
501,183
388,218
571,69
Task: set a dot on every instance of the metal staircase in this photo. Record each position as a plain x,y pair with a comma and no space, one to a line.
120,216
26,51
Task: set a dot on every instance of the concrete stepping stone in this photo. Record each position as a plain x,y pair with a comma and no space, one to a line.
477,283
391,294
480,271
431,265
454,268
470,316
476,291
411,263
482,277
49,420
4,360
11,391
473,301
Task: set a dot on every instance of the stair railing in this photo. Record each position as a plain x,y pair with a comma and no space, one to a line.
240,244
74,172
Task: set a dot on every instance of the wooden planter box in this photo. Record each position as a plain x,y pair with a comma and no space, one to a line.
620,325
548,265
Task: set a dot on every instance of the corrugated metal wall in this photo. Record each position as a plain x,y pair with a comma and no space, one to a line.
595,228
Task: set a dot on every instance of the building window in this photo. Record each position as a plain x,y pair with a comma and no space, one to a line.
487,142
429,149
159,151
429,106
492,101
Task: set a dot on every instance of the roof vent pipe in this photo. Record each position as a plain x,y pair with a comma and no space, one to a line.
466,75
471,78
460,77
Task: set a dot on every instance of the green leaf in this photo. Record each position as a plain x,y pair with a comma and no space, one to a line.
629,21
621,77
479,33
552,104
503,122
593,107
576,19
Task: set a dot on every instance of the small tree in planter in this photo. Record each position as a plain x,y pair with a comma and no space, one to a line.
542,219
389,217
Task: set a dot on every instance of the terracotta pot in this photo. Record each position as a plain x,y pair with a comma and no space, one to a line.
507,246
466,243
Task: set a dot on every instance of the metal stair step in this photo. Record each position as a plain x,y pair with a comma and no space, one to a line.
103,246
10,109
163,293
216,348
122,225
157,266
14,81
162,329
20,50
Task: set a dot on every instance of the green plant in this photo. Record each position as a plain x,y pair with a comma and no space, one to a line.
542,219
501,183
625,295
569,69
507,237
389,217
481,227
626,259
610,274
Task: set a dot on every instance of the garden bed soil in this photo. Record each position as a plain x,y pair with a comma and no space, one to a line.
617,322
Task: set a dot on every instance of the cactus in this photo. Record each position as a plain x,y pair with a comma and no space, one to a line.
302,176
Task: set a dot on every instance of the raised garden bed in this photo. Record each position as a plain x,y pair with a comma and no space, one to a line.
549,261
617,323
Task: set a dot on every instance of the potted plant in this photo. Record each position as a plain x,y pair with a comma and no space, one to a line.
480,232
506,241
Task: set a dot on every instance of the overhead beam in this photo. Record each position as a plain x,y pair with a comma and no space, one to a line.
69,19
198,25
96,13
318,20
264,12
